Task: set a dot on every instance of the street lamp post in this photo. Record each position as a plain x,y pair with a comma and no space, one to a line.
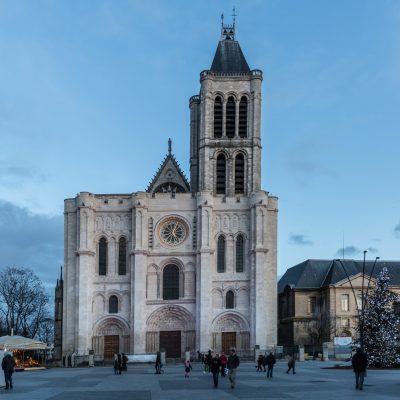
360,312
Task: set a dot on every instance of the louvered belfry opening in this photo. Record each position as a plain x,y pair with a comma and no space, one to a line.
218,117
239,174
102,256
221,174
230,117
122,256
243,117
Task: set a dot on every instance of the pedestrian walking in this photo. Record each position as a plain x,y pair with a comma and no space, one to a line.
115,364
188,368
215,368
158,363
124,362
260,361
359,362
207,362
119,363
8,365
270,361
291,365
233,364
223,360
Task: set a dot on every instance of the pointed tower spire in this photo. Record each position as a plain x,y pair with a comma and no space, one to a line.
169,146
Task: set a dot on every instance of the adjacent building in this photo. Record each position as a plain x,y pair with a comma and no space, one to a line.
183,265
316,301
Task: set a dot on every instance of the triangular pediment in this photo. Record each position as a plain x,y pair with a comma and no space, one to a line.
356,281
169,178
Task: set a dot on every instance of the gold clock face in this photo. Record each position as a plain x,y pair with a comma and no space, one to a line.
173,232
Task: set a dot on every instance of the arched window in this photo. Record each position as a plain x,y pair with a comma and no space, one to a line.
239,174
171,282
239,253
113,304
122,256
218,117
221,254
221,174
103,256
230,117
230,299
243,117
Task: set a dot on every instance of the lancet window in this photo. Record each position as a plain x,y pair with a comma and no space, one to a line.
230,117
122,256
221,254
217,117
221,174
171,282
103,256
239,174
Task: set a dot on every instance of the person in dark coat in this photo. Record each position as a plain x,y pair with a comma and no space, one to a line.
124,362
207,362
260,362
116,367
233,364
270,362
359,362
291,365
158,363
8,365
119,364
215,367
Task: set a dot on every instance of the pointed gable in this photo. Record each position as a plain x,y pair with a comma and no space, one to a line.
169,177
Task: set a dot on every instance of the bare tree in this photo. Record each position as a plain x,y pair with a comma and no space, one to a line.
23,301
322,327
46,331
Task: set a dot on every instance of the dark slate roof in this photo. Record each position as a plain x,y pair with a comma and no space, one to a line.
314,274
229,58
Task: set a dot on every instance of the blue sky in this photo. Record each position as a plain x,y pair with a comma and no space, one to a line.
90,92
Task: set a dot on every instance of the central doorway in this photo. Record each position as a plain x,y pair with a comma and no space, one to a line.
228,340
170,341
111,346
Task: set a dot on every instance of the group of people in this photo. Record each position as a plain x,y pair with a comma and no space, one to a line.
221,365
266,363
120,363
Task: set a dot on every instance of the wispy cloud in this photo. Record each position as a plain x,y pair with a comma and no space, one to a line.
397,230
13,175
31,240
300,240
348,251
372,250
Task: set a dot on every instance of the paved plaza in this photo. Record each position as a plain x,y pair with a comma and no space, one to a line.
311,381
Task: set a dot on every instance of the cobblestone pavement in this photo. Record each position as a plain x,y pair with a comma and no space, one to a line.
311,381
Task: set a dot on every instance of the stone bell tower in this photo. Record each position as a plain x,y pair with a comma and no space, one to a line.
225,119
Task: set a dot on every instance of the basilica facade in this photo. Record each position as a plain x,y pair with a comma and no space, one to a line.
181,265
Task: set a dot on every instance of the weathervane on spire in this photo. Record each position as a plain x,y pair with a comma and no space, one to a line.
228,31
169,146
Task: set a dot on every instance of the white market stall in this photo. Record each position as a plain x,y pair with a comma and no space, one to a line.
19,345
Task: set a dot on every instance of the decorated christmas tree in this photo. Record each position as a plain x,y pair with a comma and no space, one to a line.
381,324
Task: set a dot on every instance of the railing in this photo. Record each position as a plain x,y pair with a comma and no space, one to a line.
207,72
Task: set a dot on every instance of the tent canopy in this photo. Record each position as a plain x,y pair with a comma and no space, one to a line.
21,343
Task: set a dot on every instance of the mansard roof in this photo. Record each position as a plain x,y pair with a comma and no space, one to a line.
229,58
169,177
315,274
